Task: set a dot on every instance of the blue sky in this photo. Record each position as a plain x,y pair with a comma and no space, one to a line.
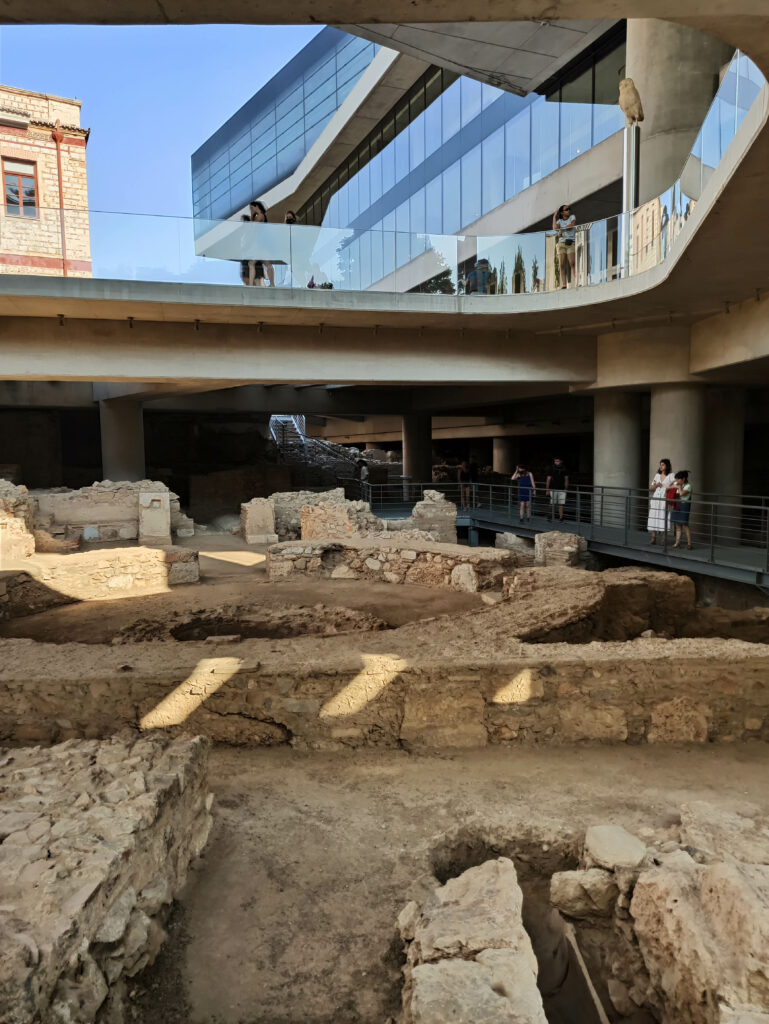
150,95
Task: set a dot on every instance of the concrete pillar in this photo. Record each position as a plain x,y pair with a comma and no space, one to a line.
677,430
505,454
617,439
122,440
418,447
725,436
675,70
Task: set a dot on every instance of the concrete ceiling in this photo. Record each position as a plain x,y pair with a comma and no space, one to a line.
514,55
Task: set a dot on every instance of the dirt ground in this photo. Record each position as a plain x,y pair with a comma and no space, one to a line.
290,913
233,573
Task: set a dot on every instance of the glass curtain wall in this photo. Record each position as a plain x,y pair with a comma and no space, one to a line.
267,138
454,150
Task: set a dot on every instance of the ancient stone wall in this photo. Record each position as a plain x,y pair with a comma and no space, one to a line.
557,548
441,684
426,563
288,505
468,955
16,539
351,519
93,575
95,842
143,510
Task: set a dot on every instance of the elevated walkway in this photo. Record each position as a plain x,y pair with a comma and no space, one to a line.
730,538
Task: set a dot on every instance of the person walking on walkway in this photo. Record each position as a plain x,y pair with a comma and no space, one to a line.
680,515
657,521
526,491
556,485
564,222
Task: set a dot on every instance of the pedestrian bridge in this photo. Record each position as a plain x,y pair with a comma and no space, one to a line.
730,535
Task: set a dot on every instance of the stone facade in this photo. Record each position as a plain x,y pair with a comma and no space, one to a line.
433,518
56,241
52,580
95,843
441,684
257,521
468,955
385,559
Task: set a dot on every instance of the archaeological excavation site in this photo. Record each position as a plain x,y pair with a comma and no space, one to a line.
314,765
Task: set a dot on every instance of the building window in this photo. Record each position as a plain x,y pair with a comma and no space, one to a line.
20,187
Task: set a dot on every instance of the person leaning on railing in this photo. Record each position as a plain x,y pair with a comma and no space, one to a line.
679,516
564,222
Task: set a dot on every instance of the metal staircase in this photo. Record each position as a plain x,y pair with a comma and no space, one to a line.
290,437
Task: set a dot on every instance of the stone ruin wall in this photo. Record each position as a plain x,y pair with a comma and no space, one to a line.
334,692
328,514
57,521
95,843
93,576
427,563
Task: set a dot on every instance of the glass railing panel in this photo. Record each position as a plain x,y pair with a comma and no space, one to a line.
505,264
432,266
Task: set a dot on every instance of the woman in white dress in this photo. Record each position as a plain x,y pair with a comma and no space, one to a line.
657,521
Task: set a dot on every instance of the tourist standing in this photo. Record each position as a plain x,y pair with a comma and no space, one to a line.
526,491
245,240
680,515
262,268
557,484
663,479
564,222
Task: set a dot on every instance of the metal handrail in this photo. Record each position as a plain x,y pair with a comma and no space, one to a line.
727,532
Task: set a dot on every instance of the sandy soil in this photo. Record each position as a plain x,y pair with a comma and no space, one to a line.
290,915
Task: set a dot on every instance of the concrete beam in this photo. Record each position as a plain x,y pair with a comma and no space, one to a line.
41,349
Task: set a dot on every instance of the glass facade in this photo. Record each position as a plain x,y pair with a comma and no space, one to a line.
454,149
267,138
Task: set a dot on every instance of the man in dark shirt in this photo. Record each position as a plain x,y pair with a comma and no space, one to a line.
557,485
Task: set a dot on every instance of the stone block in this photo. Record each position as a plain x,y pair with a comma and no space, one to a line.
589,893
257,521
582,721
441,719
611,846
678,721
154,517
464,577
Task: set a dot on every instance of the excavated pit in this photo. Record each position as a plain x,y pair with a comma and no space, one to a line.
233,623
562,980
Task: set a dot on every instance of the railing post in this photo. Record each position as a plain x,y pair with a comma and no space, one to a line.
627,516
510,501
713,512
766,542
579,511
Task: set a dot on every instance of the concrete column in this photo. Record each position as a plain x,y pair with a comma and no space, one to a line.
675,70
418,447
122,440
617,439
505,454
677,430
725,435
